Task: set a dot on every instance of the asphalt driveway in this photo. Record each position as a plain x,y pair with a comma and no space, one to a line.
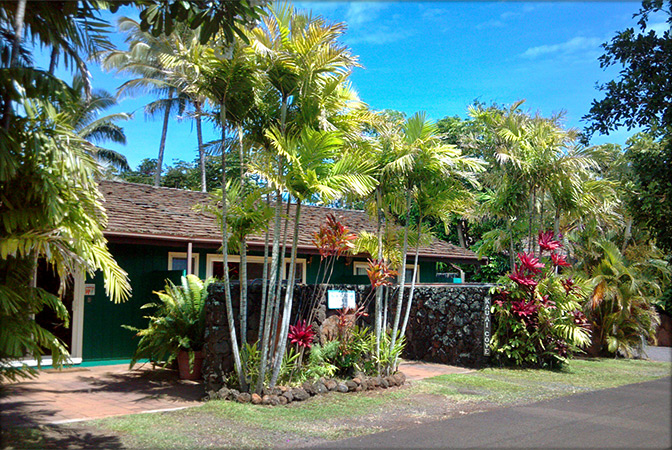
631,416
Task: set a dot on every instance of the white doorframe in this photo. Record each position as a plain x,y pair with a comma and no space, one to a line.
76,325
78,317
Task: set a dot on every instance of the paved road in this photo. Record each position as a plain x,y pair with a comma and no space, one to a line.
663,354
632,416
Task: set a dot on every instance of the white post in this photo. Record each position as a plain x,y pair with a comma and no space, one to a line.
189,257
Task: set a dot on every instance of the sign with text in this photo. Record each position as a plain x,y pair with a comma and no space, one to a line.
486,326
89,289
337,299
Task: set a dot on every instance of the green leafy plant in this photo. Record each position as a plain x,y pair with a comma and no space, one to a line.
177,324
538,320
620,306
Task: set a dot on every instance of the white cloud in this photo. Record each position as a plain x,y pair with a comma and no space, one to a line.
359,13
378,36
490,24
659,27
575,45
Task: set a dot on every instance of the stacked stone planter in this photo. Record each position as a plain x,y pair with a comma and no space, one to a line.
448,323
282,395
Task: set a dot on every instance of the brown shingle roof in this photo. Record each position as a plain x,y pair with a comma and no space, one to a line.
141,210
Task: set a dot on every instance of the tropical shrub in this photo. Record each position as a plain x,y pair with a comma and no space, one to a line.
538,320
624,292
177,324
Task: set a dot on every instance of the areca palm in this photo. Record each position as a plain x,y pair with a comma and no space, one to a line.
306,67
314,172
422,157
620,306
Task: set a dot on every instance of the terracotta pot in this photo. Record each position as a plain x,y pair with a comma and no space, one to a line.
183,365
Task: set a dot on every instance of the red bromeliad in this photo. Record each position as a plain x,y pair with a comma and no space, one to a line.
301,334
547,243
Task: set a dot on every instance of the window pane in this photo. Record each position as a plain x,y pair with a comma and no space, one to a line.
298,277
179,264
255,270
360,270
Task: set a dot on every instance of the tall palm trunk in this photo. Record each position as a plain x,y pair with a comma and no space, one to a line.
460,233
16,44
271,299
379,289
511,249
225,261
402,272
243,244
556,222
201,150
264,280
289,296
415,274
162,144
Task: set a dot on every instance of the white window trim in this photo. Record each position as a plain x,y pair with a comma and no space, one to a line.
183,255
213,258
358,264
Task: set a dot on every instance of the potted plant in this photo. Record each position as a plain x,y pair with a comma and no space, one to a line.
176,330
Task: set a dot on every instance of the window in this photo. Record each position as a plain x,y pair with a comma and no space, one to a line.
178,261
255,267
359,268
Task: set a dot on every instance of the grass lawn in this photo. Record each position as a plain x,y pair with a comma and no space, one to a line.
335,416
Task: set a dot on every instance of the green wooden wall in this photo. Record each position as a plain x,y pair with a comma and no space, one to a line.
147,265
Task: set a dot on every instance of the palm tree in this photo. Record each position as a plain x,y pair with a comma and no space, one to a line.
422,158
620,306
83,117
51,206
314,172
306,67
145,59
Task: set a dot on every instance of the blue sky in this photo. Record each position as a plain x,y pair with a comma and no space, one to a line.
440,56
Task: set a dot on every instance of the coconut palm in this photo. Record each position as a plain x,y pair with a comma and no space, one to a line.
145,59
83,117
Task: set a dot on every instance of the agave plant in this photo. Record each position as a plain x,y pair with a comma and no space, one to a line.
178,323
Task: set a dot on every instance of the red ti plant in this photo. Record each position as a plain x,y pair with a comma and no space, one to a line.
537,320
333,240
547,243
559,260
380,273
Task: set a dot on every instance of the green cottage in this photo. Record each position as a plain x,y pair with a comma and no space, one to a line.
155,233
